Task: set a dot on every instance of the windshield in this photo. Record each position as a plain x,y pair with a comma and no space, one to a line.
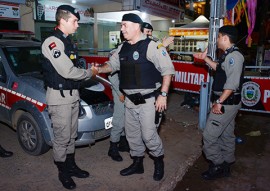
24,59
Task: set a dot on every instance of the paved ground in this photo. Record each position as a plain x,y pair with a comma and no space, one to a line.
251,172
180,135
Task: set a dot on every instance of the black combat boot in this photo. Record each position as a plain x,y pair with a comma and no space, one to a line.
135,168
64,176
123,144
227,168
214,172
73,169
4,153
114,153
159,168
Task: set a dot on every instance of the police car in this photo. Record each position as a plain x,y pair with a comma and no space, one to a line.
22,97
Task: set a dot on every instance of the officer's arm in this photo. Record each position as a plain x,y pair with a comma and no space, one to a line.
53,49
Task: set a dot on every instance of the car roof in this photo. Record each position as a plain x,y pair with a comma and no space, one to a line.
18,43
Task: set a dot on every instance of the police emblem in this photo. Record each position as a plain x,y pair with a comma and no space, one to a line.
231,61
251,93
136,55
56,53
164,53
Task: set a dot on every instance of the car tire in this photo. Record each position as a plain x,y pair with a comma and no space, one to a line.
30,136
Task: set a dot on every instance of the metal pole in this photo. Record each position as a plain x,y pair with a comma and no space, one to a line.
217,12
203,105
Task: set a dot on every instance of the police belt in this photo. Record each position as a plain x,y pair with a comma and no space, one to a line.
233,99
138,98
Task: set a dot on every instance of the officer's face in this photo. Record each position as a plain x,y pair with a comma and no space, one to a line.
70,25
147,32
129,29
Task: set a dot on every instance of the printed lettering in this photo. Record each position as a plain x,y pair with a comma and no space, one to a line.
189,78
266,95
3,98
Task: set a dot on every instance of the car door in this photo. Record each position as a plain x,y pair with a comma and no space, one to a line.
3,93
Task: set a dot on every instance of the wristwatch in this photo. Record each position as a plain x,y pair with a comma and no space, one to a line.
218,101
164,94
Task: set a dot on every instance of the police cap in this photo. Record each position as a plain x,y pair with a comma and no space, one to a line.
230,31
146,25
71,9
132,18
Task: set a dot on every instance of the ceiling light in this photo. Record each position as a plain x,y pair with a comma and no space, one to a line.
73,1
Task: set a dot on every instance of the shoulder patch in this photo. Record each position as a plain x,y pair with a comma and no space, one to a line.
231,61
164,53
52,45
56,53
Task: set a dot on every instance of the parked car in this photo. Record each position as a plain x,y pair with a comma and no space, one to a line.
22,97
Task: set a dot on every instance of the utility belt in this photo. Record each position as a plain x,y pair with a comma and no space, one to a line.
233,99
138,98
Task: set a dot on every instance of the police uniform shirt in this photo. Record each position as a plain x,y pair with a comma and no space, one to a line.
233,66
158,56
53,49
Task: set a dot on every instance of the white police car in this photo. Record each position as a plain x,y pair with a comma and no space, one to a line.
22,97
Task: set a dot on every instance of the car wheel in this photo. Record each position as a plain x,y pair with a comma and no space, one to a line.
30,136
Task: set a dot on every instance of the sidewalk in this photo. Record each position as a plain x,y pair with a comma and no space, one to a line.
182,143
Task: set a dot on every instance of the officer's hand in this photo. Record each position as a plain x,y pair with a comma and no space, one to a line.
161,103
216,109
94,71
200,55
167,41
122,98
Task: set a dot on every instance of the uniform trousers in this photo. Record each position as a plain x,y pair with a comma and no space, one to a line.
118,120
65,125
218,135
141,129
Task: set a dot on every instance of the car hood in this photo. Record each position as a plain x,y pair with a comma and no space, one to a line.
90,94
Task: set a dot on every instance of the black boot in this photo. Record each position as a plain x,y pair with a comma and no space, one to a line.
227,168
159,168
73,169
4,153
123,144
214,172
113,152
135,168
64,176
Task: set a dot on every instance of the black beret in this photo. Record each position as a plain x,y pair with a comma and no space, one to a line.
70,9
132,18
146,25
229,30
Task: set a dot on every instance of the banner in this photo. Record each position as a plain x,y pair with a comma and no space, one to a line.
45,11
189,77
10,11
256,94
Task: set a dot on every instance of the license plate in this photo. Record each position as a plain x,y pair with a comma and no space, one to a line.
108,123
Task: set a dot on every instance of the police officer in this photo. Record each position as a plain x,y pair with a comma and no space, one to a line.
145,76
4,153
218,136
62,77
147,29
118,140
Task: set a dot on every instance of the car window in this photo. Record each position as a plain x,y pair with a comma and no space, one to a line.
24,59
2,73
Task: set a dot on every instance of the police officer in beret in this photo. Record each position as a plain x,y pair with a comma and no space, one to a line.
218,135
145,76
62,76
148,30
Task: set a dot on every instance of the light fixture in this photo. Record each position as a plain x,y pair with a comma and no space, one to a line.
74,1
173,21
